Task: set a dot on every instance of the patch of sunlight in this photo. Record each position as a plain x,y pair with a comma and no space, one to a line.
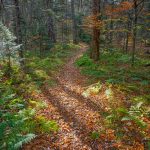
93,89
41,74
109,93
38,104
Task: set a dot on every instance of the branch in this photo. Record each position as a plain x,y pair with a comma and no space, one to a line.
142,1
140,8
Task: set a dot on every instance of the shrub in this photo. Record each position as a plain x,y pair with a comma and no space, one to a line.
18,121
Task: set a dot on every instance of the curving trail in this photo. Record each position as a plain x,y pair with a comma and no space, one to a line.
77,116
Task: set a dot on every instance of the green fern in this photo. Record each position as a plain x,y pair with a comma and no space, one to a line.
133,114
24,140
18,122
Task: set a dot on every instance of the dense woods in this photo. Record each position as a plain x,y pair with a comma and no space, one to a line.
75,74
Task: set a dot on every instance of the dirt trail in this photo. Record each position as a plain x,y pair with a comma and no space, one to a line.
77,116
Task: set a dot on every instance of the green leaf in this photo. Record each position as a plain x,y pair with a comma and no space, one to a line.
25,139
122,110
95,135
126,118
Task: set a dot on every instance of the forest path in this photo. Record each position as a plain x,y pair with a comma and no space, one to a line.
77,116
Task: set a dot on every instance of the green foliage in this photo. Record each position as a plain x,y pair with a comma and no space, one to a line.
95,135
114,71
8,47
85,61
133,114
46,126
89,67
19,124
16,121
125,59
37,104
24,139
43,69
19,121
41,74
92,90
85,37
145,99
114,68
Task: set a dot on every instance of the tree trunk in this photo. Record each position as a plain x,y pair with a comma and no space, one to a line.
51,32
18,31
1,10
62,31
127,37
96,32
66,26
127,41
75,32
138,6
134,33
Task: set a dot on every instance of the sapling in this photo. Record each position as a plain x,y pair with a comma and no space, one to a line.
8,46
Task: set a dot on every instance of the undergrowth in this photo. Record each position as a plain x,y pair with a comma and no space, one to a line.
19,122
127,91
42,70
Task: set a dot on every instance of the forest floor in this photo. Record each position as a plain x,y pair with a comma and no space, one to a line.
76,116
82,113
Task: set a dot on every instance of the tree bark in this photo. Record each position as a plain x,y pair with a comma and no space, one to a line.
75,32
137,10
96,32
18,31
1,10
127,38
134,41
51,30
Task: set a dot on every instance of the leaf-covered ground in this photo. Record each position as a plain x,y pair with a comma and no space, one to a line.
77,116
79,112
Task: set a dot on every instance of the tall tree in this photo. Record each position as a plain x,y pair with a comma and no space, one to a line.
137,8
18,30
96,31
75,32
1,9
51,30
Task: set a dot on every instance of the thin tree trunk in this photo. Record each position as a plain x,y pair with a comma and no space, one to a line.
127,34
134,33
96,32
127,41
127,38
67,37
75,32
18,31
1,10
51,30
138,6
62,31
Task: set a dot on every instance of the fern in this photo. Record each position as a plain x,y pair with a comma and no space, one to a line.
18,123
133,114
84,61
24,140
45,125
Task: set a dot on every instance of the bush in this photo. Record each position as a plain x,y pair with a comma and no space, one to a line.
85,38
18,121
85,61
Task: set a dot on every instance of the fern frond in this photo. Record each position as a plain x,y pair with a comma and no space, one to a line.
25,139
